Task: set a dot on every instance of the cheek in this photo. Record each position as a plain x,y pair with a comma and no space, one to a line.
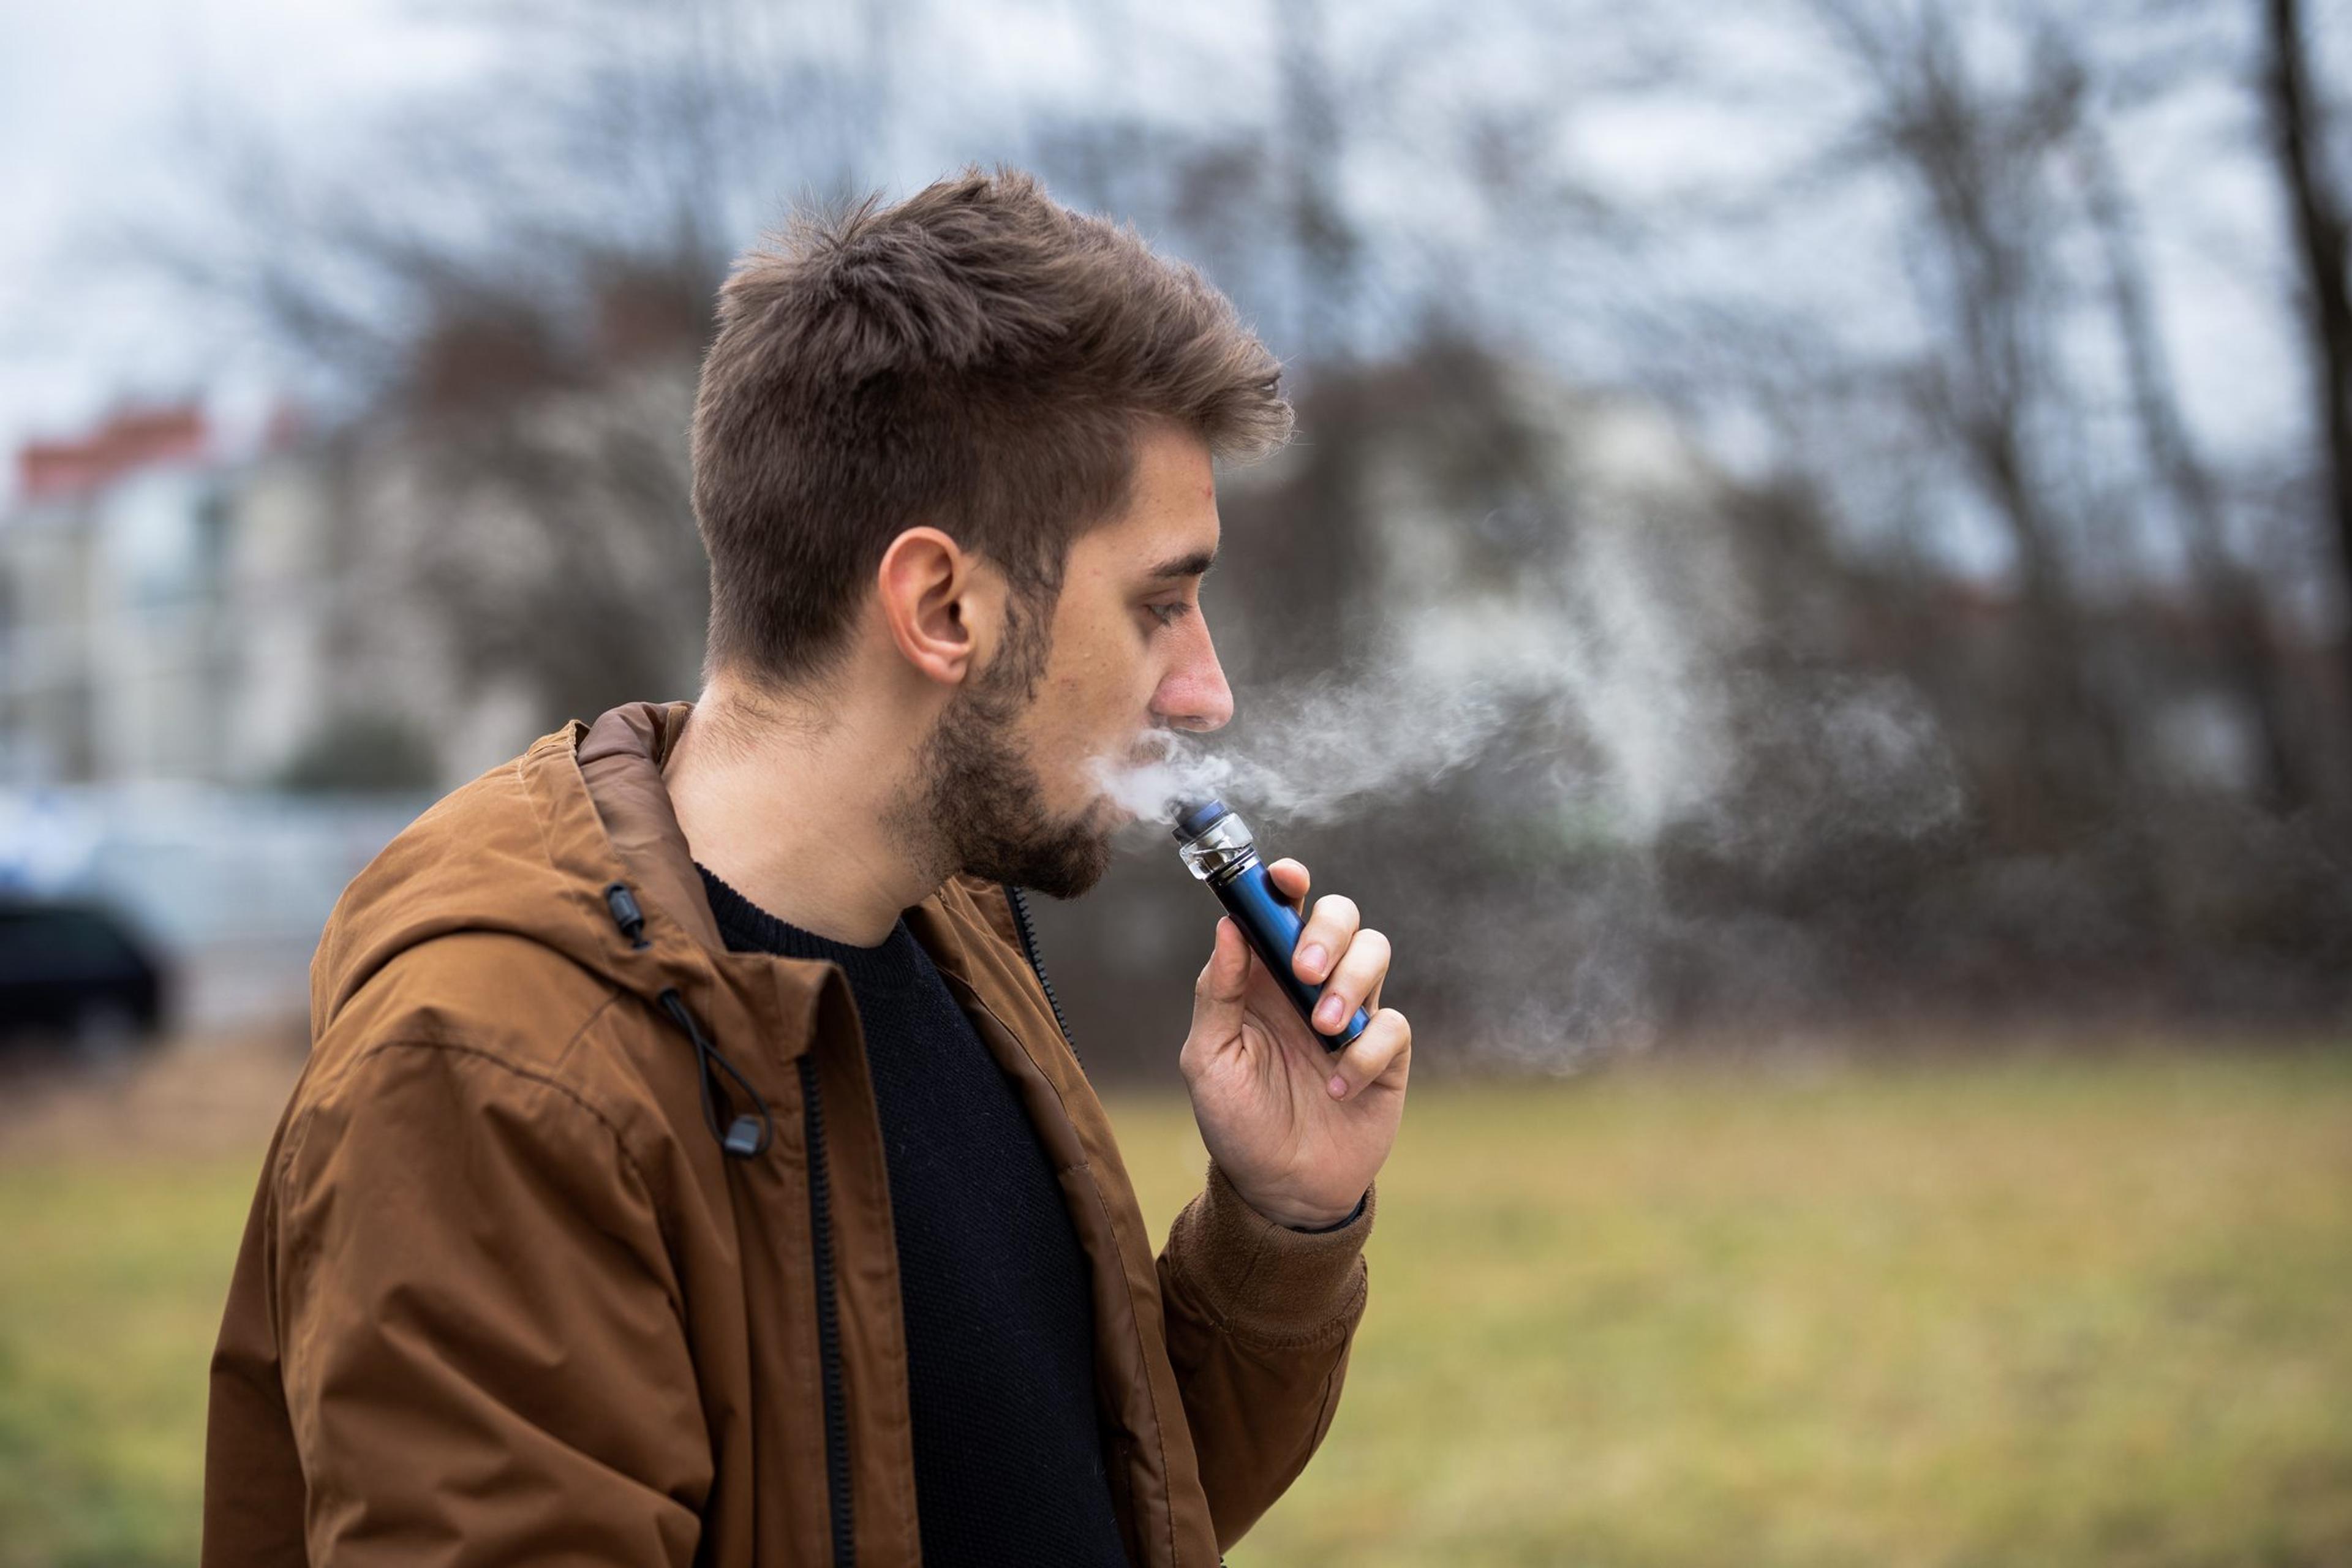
1109,674
1101,677
1083,701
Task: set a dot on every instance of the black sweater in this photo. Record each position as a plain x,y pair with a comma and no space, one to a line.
1000,1321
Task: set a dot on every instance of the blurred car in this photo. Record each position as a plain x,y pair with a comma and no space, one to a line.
71,969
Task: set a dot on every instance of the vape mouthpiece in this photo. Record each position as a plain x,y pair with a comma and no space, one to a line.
1195,817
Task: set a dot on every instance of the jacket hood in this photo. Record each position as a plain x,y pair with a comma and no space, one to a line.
534,849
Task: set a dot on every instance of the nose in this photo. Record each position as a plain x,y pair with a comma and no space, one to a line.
1193,695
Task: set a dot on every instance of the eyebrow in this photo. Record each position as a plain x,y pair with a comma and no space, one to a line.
1195,564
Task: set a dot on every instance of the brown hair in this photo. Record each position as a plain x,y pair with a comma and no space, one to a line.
978,358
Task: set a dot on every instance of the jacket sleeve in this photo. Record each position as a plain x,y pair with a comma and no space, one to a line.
1260,1320
483,1358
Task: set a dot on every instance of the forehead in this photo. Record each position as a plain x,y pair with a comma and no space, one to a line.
1170,519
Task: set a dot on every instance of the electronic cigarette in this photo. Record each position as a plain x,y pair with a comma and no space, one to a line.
1217,849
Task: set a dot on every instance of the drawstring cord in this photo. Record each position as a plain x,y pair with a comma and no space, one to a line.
746,1136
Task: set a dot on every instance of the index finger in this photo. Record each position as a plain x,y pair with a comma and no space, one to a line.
1290,879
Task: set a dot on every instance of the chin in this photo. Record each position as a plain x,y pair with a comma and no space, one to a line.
1068,869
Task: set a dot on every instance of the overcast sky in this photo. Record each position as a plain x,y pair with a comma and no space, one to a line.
96,101
92,98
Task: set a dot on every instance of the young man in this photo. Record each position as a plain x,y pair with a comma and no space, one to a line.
689,1164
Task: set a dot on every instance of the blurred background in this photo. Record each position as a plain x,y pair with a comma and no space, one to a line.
1810,603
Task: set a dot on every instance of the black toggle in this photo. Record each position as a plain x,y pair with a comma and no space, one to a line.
741,1136
625,913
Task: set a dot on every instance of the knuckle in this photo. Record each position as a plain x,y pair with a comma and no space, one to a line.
1366,964
1338,908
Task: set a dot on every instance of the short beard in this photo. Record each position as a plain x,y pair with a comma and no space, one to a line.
977,800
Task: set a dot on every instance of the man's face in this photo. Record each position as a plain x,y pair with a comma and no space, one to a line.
1010,772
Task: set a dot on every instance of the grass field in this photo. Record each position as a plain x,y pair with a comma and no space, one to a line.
2027,1312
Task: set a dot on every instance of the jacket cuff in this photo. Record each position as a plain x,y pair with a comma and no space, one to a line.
1353,1214
1266,1279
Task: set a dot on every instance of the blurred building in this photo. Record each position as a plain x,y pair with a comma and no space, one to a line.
162,605
190,636
176,606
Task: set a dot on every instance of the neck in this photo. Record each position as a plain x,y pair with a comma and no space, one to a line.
796,813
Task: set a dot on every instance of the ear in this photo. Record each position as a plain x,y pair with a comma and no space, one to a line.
943,605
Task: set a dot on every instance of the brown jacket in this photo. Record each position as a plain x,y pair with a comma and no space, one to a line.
503,1297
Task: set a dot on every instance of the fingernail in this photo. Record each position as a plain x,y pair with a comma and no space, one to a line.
1328,1014
1339,1087
1313,958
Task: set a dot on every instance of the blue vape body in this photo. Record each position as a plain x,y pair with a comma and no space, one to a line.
1217,847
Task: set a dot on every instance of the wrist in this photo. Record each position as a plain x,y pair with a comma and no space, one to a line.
1232,1267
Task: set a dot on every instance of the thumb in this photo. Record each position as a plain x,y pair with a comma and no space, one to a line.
1225,981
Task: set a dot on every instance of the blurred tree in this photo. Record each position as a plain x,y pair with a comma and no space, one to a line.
1981,162
2232,592
2324,253
364,750
517,302
1324,243
546,478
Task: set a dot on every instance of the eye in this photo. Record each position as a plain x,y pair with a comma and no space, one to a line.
1169,614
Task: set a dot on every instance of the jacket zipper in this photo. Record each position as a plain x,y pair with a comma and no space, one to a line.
1020,902
828,1326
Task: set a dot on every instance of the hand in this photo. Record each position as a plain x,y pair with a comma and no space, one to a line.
1299,1131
